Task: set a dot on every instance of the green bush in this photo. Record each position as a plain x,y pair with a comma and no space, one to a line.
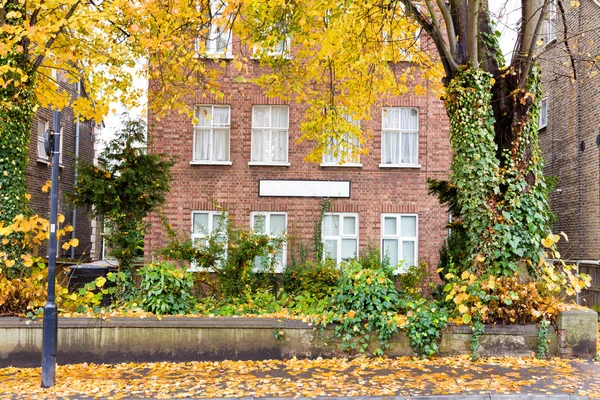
412,280
261,301
166,289
426,319
364,301
318,279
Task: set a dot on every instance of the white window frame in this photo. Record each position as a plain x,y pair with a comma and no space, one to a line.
398,236
551,23
346,137
212,127
41,155
198,236
216,13
270,128
341,235
543,117
279,267
401,131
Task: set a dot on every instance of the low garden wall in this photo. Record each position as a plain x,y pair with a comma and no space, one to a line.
202,339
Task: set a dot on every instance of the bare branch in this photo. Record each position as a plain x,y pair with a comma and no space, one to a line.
566,35
473,32
444,8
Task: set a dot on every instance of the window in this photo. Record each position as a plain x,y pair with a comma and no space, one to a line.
43,126
269,135
274,224
551,22
340,236
203,224
400,137
399,240
211,135
219,41
345,144
280,49
543,117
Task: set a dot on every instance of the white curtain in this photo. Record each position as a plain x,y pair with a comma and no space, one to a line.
204,115
202,150
221,145
279,117
409,119
260,117
279,146
391,147
409,148
259,138
221,116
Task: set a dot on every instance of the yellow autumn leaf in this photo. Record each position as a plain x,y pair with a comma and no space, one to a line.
463,309
61,219
100,281
66,246
465,275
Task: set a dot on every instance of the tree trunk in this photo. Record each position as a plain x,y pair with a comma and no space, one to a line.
501,194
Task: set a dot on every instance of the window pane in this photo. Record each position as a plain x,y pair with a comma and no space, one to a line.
200,224
408,226
409,148
218,222
390,249
259,145
408,253
390,118
204,115
391,147
331,249
277,224
260,117
389,226
409,119
259,223
202,150
220,145
349,248
42,150
41,128
349,225
279,146
279,117
331,225
221,116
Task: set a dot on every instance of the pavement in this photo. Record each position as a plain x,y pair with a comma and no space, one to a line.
438,378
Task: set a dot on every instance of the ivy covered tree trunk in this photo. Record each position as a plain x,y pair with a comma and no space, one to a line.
501,194
16,113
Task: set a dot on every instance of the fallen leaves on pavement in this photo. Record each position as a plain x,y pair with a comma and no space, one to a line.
309,378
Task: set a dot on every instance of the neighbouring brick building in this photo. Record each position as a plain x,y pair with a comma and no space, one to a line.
570,132
39,171
243,156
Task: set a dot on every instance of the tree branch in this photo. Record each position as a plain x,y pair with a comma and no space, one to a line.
443,6
566,40
39,59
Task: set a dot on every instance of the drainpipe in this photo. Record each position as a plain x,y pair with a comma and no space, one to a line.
74,218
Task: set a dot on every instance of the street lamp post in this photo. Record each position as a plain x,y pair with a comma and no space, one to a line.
50,328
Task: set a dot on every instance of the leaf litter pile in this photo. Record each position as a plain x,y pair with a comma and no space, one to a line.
310,378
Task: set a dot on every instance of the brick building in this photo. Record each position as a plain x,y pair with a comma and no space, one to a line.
77,142
243,156
570,134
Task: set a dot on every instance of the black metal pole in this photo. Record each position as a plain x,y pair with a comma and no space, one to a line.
50,331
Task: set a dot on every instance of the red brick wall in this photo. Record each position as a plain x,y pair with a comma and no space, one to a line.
374,190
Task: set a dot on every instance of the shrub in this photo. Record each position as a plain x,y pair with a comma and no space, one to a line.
412,280
365,301
318,279
262,301
426,319
166,289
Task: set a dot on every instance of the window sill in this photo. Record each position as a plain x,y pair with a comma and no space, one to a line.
267,164
347,165
216,56
416,166
210,163
42,161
